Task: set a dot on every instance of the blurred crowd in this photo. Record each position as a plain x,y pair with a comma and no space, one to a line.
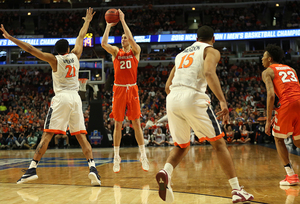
147,19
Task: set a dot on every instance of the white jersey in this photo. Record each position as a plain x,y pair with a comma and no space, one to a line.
189,65
66,76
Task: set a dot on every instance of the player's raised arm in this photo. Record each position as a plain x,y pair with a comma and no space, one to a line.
77,50
48,57
113,50
135,47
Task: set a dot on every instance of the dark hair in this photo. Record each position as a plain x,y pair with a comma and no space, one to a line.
275,52
61,46
205,33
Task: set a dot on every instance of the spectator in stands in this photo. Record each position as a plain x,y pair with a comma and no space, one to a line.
22,140
128,135
12,141
2,142
147,137
31,141
3,109
160,137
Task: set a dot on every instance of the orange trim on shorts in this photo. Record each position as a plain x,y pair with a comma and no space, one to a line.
55,131
182,145
79,132
212,139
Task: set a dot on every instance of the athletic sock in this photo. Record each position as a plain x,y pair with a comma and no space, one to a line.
91,163
289,169
143,151
33,164
169,169
234,183
116,151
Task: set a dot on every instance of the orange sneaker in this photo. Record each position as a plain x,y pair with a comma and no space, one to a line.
290,180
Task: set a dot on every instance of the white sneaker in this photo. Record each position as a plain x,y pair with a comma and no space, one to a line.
164,184
117,162
145,163
241,196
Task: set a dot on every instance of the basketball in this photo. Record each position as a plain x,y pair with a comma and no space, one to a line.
112,16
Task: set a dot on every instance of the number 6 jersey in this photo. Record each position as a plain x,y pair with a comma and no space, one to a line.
66,76
125,66
286,84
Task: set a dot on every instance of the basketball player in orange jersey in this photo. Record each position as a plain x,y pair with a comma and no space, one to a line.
66,106
282,80
125,90
188,106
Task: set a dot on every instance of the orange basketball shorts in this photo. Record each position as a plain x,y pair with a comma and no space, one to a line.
287,121
125,99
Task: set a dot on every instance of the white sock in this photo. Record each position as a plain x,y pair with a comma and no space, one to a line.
169,169
91,163
234,183
289,171
143,151
116,151
33,164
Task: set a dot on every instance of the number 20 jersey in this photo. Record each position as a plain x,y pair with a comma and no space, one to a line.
286,83
189,66
66,76
125,66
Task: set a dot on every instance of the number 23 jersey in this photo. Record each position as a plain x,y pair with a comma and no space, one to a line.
125,66
286,83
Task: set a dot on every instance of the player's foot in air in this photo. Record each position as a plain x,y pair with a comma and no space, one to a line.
94,176
29,175
116,167
164,186
240,196
290,180
145,163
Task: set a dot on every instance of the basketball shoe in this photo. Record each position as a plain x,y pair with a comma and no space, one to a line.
241,195
94,176
145,163
116,167
290,180
164,184
29,175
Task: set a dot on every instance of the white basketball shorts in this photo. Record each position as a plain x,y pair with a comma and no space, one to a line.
65,109
186,109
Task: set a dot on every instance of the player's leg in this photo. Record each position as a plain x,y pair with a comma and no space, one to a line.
140,140
134,114
77,128
117,136
87,151
30,173
205,123
285,125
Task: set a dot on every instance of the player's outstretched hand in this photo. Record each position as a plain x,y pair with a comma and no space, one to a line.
121,15
5,33
89,14
224,113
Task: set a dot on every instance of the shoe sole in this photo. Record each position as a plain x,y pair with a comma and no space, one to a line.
162,181
32,178
145,169
94,180
289,184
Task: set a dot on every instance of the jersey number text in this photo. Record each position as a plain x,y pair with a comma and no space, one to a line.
70,73
186,58
286,74
125,64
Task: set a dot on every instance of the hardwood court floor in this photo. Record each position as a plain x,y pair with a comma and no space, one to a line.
197,179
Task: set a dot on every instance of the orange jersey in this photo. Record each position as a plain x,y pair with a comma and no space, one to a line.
125,66
286,83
